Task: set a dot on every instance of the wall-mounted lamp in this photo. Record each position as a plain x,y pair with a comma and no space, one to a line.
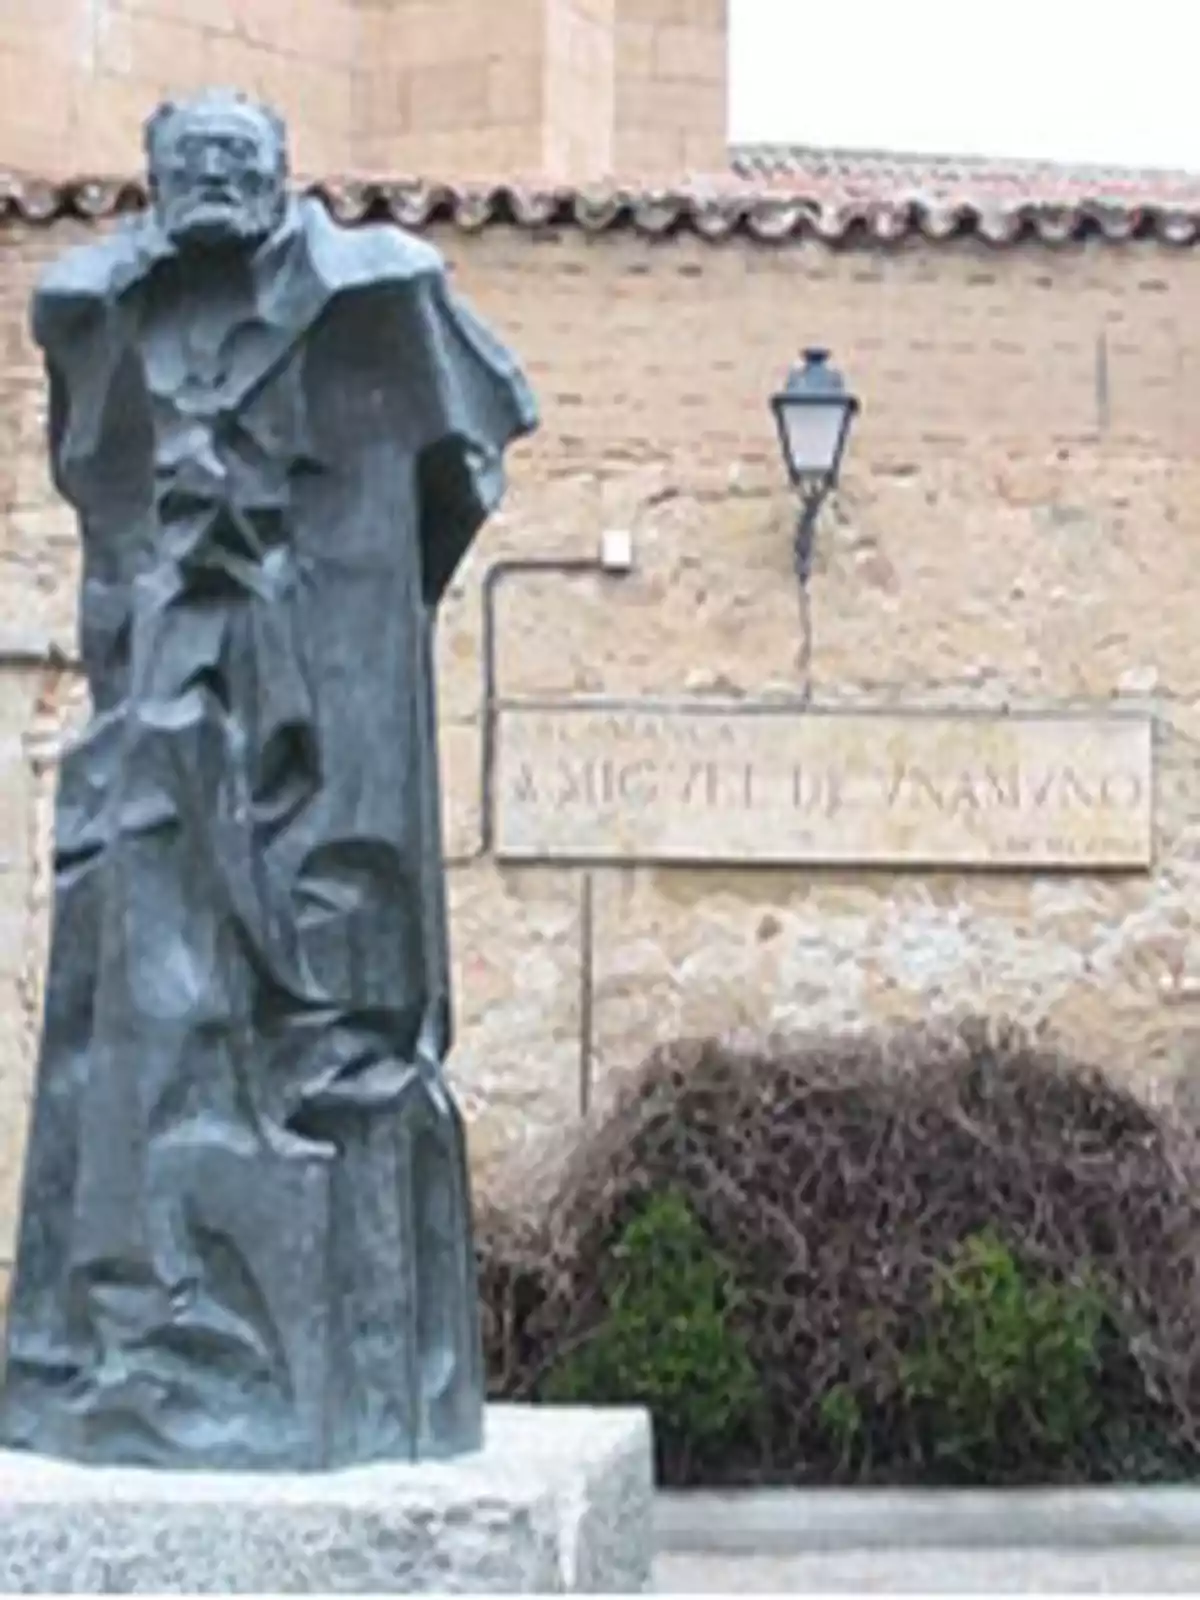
814,414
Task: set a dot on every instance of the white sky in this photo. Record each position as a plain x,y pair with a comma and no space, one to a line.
1109,81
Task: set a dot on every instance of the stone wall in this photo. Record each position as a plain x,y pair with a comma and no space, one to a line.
77,77
569,90
671,86
1017,525
451,87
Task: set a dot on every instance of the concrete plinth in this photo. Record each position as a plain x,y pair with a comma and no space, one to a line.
559,1500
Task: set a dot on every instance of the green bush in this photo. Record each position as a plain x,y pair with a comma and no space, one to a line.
1006,1358
841,1415
667,1340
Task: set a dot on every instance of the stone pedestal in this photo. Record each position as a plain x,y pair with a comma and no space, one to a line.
558,1500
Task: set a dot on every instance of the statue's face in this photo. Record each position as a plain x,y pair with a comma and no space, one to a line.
217,172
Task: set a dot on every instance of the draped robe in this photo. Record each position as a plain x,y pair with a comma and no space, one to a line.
245,1236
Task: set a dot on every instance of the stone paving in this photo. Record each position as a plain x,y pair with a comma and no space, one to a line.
1143,1570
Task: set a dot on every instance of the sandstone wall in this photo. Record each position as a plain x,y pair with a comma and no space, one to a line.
1018,524
566,90
569,90
672,75
77,77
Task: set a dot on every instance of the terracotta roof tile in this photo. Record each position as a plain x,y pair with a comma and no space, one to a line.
769,197
888,176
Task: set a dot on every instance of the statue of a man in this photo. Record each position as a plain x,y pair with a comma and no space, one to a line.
246,1236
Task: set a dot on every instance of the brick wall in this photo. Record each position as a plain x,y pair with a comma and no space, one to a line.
1018,524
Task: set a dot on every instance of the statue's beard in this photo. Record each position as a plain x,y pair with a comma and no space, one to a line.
220,224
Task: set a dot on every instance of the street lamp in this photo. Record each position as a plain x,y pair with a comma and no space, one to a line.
814,414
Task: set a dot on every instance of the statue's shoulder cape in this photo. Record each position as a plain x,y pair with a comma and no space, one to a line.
84,281
368,256
475,399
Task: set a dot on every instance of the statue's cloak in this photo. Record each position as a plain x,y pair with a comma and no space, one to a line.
245,1235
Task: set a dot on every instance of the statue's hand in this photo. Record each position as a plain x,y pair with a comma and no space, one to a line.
383,1085
212,540
203,526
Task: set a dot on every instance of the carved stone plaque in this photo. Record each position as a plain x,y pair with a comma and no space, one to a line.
767,785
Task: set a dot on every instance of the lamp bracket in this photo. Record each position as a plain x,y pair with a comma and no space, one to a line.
812,498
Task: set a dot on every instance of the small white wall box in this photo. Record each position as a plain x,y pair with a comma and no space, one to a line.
616,550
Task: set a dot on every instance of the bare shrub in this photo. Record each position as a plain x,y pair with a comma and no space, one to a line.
837,1174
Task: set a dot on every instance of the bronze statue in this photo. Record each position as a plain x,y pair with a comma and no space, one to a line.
245,1237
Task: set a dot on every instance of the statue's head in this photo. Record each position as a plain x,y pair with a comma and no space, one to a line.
218,170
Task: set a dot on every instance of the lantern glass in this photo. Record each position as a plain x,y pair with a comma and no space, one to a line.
813,434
